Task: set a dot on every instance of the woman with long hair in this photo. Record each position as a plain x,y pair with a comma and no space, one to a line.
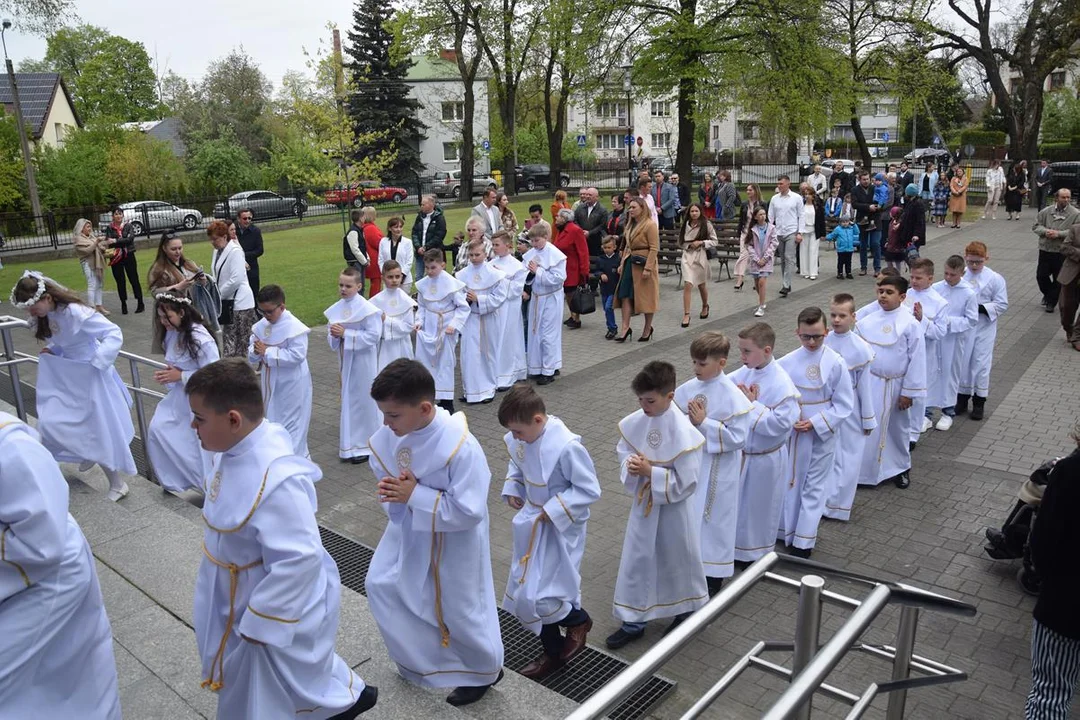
695,240
90,249
559,203
1016,189
761,240
121,239
174,273
179,461
238,312
639,285
83,408
746,218
812,227
958,187
509,219
707,196
393,247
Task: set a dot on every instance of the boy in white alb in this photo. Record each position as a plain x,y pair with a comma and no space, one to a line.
853,431
267,596
551,482
398,316
765,472
721,413
826,399
660,571
485,291
962,315
279,344
510,362
548,265
429,585
897,376
355,326
992,300
441,314
930,309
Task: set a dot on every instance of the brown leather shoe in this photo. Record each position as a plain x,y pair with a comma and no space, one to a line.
575,640
541,667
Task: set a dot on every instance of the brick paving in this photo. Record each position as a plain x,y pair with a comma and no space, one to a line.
929,535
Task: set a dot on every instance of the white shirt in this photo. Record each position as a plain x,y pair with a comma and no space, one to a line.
231,277
995,177
425,222
785,212
809,215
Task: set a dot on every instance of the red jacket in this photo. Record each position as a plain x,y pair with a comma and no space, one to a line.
571,240
372,236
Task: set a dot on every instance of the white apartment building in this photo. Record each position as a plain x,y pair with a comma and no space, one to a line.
605,122
436,84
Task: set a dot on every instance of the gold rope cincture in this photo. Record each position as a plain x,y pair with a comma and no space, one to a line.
645,488
436,557
532,539
219,658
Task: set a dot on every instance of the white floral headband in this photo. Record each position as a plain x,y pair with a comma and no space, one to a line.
36,296
173,298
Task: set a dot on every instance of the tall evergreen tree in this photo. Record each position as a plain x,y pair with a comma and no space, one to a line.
379,103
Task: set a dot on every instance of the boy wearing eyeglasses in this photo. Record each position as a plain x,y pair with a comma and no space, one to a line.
993,300
826,398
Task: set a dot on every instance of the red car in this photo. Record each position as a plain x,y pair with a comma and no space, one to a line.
365,192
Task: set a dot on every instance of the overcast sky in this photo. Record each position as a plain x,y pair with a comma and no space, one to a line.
193,32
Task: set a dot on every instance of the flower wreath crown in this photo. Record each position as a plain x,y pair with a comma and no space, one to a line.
36,296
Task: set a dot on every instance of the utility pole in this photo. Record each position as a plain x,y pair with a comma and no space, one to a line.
31,181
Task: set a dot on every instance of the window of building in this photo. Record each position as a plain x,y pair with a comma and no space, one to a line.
1057,79
879,133
61,131
609,141
715,132
661,108
451,153
611,109
661,141
882,109
749,130
453,111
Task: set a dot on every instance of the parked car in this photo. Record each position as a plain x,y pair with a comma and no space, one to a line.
364,192
147,216
922,156
530,177
448,183
262,203
1066,175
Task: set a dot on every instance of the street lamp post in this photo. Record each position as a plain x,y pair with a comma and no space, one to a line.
20,124
629,125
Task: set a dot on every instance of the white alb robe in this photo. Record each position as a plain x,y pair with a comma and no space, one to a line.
555,476
660,571
358,362
442,305
851,437
545,309
511,363
56,646
399,319
991,293
83,407
726,424
826,399
179,461
898,368
934,326
266,576
764,476
429,586
286,379
961,317
480,336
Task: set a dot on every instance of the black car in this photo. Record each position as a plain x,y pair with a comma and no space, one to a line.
1066,175
530,177
263,205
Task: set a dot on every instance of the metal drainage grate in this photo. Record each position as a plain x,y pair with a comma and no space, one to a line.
582,677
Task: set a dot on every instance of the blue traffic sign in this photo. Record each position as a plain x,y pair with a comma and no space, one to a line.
937,140
885,136
581,141
486,145
628,140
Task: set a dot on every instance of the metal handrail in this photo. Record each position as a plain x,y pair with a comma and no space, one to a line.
818,663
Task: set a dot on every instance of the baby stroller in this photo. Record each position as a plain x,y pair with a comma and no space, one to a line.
1011,541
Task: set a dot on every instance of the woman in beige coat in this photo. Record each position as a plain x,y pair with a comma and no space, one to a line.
695,239
90,249
639,284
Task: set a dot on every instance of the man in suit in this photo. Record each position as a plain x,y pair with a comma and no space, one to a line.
591,217
488,212
904,178
665,196
1044,180
682,191
251,240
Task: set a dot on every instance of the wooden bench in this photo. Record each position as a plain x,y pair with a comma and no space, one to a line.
670,255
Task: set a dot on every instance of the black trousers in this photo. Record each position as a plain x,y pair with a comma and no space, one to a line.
129,266
253,276
843,263
550,636
1046,275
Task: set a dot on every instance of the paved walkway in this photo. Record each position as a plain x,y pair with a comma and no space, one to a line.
929,535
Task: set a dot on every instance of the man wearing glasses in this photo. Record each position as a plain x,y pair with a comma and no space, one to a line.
251,240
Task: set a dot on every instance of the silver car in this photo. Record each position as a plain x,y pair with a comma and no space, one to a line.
147,216
448,184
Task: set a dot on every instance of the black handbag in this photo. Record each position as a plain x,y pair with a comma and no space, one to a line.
226,316
638,260
582,301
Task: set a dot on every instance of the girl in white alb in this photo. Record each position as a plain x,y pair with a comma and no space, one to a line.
399,318
355,326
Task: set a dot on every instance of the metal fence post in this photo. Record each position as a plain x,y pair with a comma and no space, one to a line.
50,223
807,631
140,413
13,371
905,648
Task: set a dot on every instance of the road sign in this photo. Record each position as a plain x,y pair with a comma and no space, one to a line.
640,140
581,141
628,140
937,140
885,136
486,145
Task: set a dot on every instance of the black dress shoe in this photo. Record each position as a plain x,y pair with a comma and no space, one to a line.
902,480
911,446
358,460
485,402
646,338
799,552
140,308
573,324
467,695
784,291
545,380
715,585
623,338
620,638
741,565
368,697
557,372
567,321
502,389
123,307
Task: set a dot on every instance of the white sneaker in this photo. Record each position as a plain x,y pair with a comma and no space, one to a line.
927,424
813,277
944,423
760,312
119,494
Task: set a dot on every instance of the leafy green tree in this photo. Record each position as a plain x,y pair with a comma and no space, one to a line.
143,167
12,176
221,164
39,16
75,174
1061,123
231,103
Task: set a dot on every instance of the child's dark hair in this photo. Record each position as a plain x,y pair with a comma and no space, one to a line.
388,266
521,405
228,384
189,318
710,344
761,334
434,255
271,294
844,299
955,262
27,287
535,207
405,381
656,376
811,316
897,281
353,273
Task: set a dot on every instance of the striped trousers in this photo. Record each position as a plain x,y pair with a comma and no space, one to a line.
1055,672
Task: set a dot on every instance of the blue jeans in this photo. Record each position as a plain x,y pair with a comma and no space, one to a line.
609,311
874,241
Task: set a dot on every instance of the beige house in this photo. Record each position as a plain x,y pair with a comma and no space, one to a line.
47,108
